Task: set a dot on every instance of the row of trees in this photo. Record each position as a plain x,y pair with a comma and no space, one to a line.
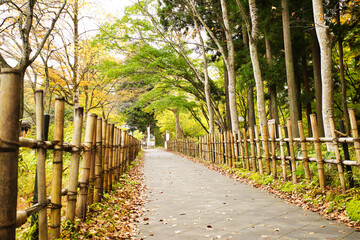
210,57
49,42
208,63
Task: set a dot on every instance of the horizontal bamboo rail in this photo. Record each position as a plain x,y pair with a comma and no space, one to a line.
124,149
281,156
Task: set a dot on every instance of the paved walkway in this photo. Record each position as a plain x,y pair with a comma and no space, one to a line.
188,201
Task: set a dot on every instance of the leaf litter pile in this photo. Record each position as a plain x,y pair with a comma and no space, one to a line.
116,216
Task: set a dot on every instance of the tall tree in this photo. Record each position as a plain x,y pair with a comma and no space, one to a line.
252,26
230,61
290,73
325,41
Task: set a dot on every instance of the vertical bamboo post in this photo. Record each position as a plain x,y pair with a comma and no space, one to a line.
337,155
55,222
9,149
246,150
211,148
282,153
103,154
74,164
292,153
241,149
85,172
117,159
217,155
226,148
232,149
126,152
347,156
273,149
122,152
252,149
114,159
355,133
98,162
106,159
319,159
304,152
236,149
221,151
258,150
111,156
266,149
41,165
90,199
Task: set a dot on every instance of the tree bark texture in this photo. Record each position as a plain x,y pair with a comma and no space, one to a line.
324,38
317,83
9,134
290,74
231,69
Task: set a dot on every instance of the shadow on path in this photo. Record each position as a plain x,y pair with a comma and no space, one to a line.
189,201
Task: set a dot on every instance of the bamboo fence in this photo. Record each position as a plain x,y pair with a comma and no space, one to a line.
278,153
107,152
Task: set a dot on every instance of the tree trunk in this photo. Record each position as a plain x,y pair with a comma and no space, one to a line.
317,83
179,131
342,77
231,69
259,84
307,92
290,74
207,89
323,35
273,107
251,107
256,66
227,102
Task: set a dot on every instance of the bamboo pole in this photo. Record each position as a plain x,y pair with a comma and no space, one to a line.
9,149
241,150
122,152
74,165
292,153
337,155
106,159
126,150
111,156
273,150
85,172
40,168
117,159
258,150
355,133
104,130
98,162
266,149
236,149
232,149
282,152
345,147
221,149
246,150
252,149
90,198
226,148
217,159
55,222
319,159
304,152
